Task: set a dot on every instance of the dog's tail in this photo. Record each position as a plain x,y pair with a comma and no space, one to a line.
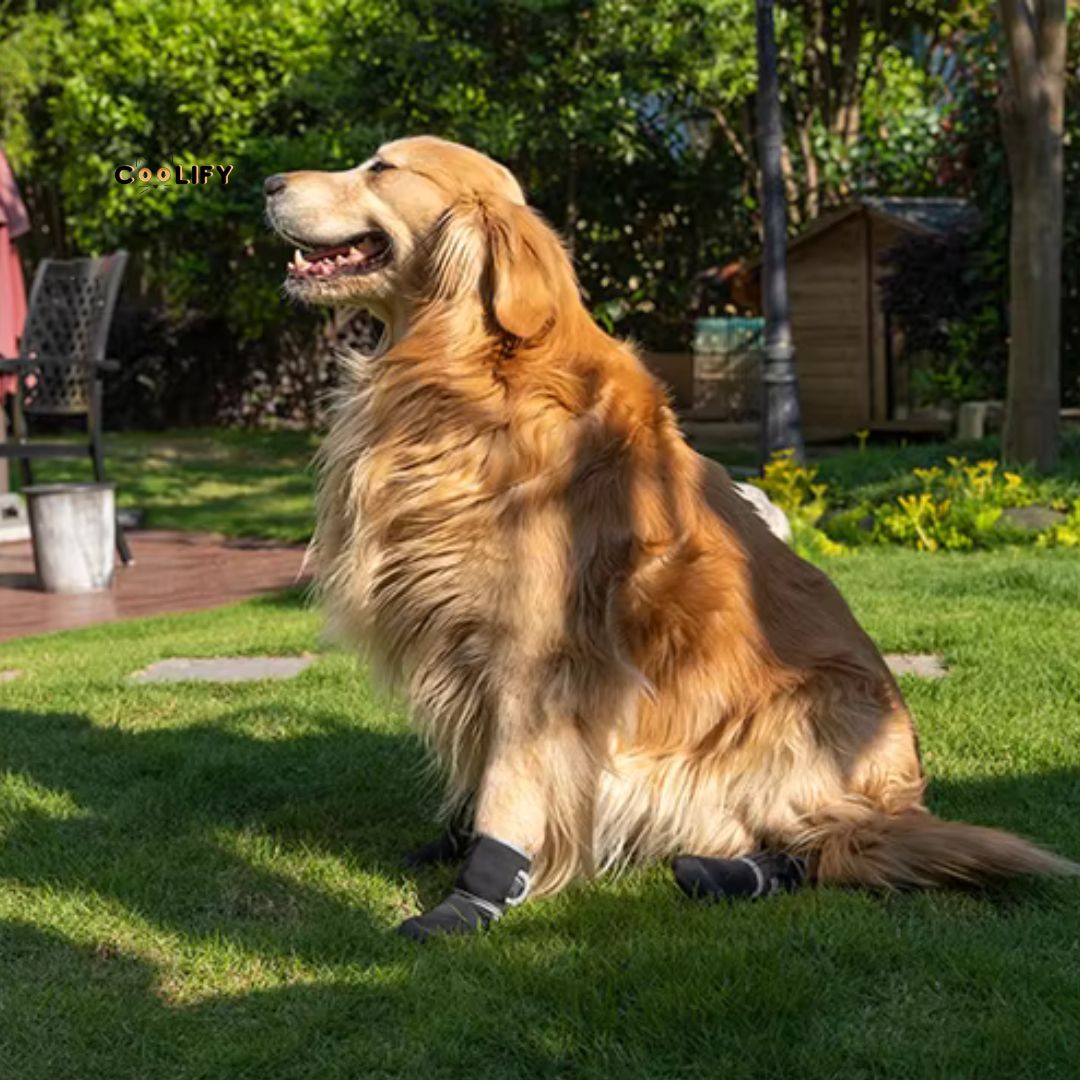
858,844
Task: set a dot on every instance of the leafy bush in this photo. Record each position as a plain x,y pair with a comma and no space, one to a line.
796,490
956,509
192,371
1067,534
956,505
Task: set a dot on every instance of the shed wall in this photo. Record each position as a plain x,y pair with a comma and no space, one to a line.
831,325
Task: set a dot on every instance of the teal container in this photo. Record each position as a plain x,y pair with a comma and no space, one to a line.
727,369
714,337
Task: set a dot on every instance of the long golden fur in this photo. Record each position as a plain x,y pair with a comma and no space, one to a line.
610,655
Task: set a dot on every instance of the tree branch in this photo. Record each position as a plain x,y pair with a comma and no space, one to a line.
733,139
802,121
796,210
847,91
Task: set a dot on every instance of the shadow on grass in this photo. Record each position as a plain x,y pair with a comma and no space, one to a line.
150,810
627,977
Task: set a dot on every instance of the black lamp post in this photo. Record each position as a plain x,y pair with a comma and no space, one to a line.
781,427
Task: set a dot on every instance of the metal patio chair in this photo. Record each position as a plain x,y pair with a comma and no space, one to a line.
62,359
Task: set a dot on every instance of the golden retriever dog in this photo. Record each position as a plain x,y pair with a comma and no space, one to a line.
609,654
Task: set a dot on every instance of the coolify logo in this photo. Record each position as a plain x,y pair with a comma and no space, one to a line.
150,179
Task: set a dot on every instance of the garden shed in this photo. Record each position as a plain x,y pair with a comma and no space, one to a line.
851,373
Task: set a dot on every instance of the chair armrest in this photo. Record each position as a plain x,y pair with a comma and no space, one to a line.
12,366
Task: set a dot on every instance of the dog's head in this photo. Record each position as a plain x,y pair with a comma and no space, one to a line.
424,219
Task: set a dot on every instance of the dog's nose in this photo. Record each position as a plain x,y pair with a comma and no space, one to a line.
273,184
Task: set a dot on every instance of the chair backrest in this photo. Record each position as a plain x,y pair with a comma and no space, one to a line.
67,329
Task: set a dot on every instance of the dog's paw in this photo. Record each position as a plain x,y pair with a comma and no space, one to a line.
749,878
495,876
459,913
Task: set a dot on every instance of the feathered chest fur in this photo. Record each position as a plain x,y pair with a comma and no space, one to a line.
442,528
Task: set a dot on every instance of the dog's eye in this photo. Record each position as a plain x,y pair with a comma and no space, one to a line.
380,166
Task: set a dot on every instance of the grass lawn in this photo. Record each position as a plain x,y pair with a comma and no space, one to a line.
244,483
240,483
202,881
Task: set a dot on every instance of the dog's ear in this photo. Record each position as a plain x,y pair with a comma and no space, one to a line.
524,268
507,253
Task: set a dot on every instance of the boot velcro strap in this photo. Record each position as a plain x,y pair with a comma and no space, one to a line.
488,911
493,871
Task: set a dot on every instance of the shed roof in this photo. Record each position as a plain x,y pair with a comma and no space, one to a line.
932,215
912,215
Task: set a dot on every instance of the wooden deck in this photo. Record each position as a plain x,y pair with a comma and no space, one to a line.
173,572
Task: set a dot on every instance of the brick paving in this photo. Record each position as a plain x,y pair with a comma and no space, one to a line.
173,572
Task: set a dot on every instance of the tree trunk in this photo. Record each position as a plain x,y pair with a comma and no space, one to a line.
1032,114
1033,404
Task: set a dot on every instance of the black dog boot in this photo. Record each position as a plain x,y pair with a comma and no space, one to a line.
764,873
495,876
449,847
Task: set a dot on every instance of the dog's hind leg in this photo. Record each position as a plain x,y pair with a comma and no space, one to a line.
750,877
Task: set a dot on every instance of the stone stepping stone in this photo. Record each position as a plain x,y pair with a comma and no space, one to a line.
924,665
223,669
10,675
1032,518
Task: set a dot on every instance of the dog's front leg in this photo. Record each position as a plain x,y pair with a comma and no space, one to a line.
530,808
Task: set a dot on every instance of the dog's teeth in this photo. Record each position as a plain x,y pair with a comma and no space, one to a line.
299,261
354,253
341,260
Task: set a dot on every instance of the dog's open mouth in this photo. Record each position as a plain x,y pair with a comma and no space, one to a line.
363,254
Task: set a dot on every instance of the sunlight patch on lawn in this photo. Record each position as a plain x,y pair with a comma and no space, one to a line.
21,795
336,876
88,920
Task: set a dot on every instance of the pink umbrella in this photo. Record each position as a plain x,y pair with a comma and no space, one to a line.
13,222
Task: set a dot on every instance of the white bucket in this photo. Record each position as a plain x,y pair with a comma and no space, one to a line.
73,527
